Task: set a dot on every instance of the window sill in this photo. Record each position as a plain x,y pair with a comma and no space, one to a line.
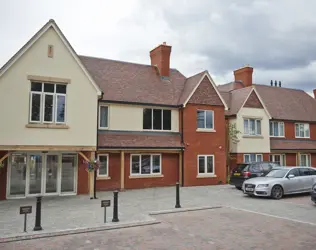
206,176
253,136
103,128
103,178
272,136
52,126
302,137
146,176
207,130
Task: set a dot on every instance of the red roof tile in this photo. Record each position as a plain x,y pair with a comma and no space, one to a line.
133,140
292,145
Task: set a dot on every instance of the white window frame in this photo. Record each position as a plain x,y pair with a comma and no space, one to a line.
205,128
43,95
151,165
256,127
99,125
305,125
205,166
282,158
279,124
107,166
308,158
250,157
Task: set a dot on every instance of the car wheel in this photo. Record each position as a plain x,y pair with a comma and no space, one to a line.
239,188
277,192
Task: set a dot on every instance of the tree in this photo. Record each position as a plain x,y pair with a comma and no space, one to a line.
232,137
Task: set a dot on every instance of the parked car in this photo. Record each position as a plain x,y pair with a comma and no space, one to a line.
313,193
245,171
289,180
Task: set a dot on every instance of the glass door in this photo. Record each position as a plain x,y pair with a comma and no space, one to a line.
68,173
17,174
51,174
35,166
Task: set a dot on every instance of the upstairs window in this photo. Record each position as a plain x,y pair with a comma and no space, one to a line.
157,119
302,130
252,127
205,119
48,103
103,117
277,129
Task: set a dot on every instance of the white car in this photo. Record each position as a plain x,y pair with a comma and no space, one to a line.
288,180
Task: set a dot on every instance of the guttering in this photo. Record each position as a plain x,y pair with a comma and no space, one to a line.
138,147
142,104
182,142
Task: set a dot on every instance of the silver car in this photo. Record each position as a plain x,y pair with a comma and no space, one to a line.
288,180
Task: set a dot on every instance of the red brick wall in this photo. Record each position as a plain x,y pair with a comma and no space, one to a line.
212,143
313,156
114,173
83,181
290,131
3,177
169,168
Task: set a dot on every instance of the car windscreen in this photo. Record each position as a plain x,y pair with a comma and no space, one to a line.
280,173
240,167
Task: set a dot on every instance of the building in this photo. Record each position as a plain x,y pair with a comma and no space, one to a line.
149,125
276,123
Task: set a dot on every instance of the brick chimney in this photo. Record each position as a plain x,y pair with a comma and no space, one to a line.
314,93
160,57
245,75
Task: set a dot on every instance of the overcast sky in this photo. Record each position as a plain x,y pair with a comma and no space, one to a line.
277,38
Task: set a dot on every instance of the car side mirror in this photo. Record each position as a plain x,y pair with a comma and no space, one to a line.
290,176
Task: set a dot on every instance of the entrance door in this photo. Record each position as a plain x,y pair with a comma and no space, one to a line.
51,174
34,174
68,173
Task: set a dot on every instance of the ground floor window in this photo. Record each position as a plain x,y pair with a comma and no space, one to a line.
252,158
278,158
205,164
305,160
145,164
36,173
104,165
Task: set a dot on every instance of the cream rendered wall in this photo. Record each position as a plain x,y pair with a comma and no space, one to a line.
14,98
260,144
130,117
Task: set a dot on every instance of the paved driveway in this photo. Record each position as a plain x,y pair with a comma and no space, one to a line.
220,228
62,213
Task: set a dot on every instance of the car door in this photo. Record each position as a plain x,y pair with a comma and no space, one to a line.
292,185
306,179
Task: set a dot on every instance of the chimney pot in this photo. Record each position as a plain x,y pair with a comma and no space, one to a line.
275,83
280,85
271,83
160,57
244,75
314,93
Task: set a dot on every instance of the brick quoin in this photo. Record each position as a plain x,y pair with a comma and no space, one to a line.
3,177
204,143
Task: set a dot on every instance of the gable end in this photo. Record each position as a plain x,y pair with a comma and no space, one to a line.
253,101
206,94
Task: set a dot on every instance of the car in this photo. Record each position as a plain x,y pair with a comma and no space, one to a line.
245,171
313,193
280,182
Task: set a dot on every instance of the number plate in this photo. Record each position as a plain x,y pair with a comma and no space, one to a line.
250,189
236,174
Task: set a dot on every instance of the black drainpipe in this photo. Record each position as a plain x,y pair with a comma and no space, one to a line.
96,154
182,142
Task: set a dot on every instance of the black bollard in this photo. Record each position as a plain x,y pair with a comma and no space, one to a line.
177,195
115,207
95,185
38,226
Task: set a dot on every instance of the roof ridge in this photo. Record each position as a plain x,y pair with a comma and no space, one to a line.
196,74
115,60
280,87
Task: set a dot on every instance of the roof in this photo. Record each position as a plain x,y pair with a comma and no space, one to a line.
292,144
50,24
288,104
139,140
230,86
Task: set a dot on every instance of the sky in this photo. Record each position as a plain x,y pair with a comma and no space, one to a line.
276,38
